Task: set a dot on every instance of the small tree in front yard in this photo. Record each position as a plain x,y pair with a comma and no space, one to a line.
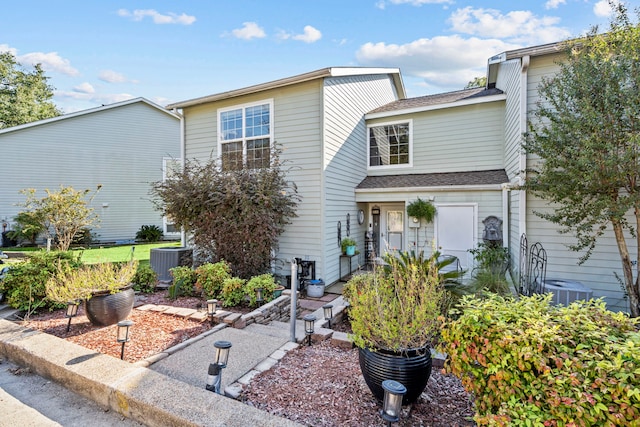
235,215
62,214
586,131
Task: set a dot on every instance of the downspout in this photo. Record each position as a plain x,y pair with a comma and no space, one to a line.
522,208
506,193
183,153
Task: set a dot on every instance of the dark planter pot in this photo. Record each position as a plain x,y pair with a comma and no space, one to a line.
104,309
410,368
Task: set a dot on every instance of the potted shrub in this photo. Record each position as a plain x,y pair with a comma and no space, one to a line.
394,313
348,246
106,289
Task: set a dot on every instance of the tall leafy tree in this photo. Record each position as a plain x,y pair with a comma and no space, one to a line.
235,215
25,96
586,133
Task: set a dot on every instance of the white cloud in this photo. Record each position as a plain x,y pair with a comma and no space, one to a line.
553,4
249,30
310,35
97,98
50,62
111,76
520,26
602,9
84,88
6,48
382,3
158,18
444,61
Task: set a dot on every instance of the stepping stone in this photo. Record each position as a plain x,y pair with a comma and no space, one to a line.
186,312
200,316
146,307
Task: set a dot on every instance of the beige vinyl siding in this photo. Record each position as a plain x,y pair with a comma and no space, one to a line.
121,148
509,80
296,128
346,100
466,138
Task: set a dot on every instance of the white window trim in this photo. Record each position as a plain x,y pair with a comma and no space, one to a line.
219,112
396,122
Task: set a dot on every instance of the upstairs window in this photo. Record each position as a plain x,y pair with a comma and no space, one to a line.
390,144
245,136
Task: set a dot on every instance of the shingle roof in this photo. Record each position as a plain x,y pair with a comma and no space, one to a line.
488,177
440,98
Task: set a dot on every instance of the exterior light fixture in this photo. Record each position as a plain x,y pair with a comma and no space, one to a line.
214,377
328,313
72,311
123,334
259,297
212,307
392,404
309,321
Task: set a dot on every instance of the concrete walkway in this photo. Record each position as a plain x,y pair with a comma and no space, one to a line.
168,390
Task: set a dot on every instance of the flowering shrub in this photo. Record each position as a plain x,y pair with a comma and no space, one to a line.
210,278
529,363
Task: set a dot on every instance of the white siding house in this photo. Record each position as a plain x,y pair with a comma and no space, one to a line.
123,146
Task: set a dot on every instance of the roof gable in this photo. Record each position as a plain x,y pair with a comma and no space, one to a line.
90,111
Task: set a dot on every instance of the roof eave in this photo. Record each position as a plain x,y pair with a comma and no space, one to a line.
300,78
461,103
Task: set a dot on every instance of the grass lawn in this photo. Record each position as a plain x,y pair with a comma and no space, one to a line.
116,253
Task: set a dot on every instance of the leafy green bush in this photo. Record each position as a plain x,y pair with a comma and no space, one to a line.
184,278
149,233
24,284
145,279
494,258
264,281
529,363
210,278
233,292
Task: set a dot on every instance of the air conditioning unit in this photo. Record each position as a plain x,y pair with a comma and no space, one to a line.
566,291
163,259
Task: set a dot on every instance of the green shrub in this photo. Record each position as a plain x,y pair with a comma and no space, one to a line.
24,284
149,233
145,279
233,292
210,278
184,278
264,281
529,363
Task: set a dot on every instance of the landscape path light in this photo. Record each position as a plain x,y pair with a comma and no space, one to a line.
212,307
123,334
72,311
309,321
214,378
259,297
392,404
328,313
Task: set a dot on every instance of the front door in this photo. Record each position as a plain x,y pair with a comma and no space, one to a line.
456,231
392,234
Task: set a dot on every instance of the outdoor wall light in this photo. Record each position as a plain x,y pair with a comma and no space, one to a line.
123,334
309,321
259,297
214,378
212,307
392,404
328,313
72,311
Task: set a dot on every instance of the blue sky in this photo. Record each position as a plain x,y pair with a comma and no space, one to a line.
100,52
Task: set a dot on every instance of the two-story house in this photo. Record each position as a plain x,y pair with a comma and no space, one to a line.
362,151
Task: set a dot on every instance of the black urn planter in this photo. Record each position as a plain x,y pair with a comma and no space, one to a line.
411,368
104,308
